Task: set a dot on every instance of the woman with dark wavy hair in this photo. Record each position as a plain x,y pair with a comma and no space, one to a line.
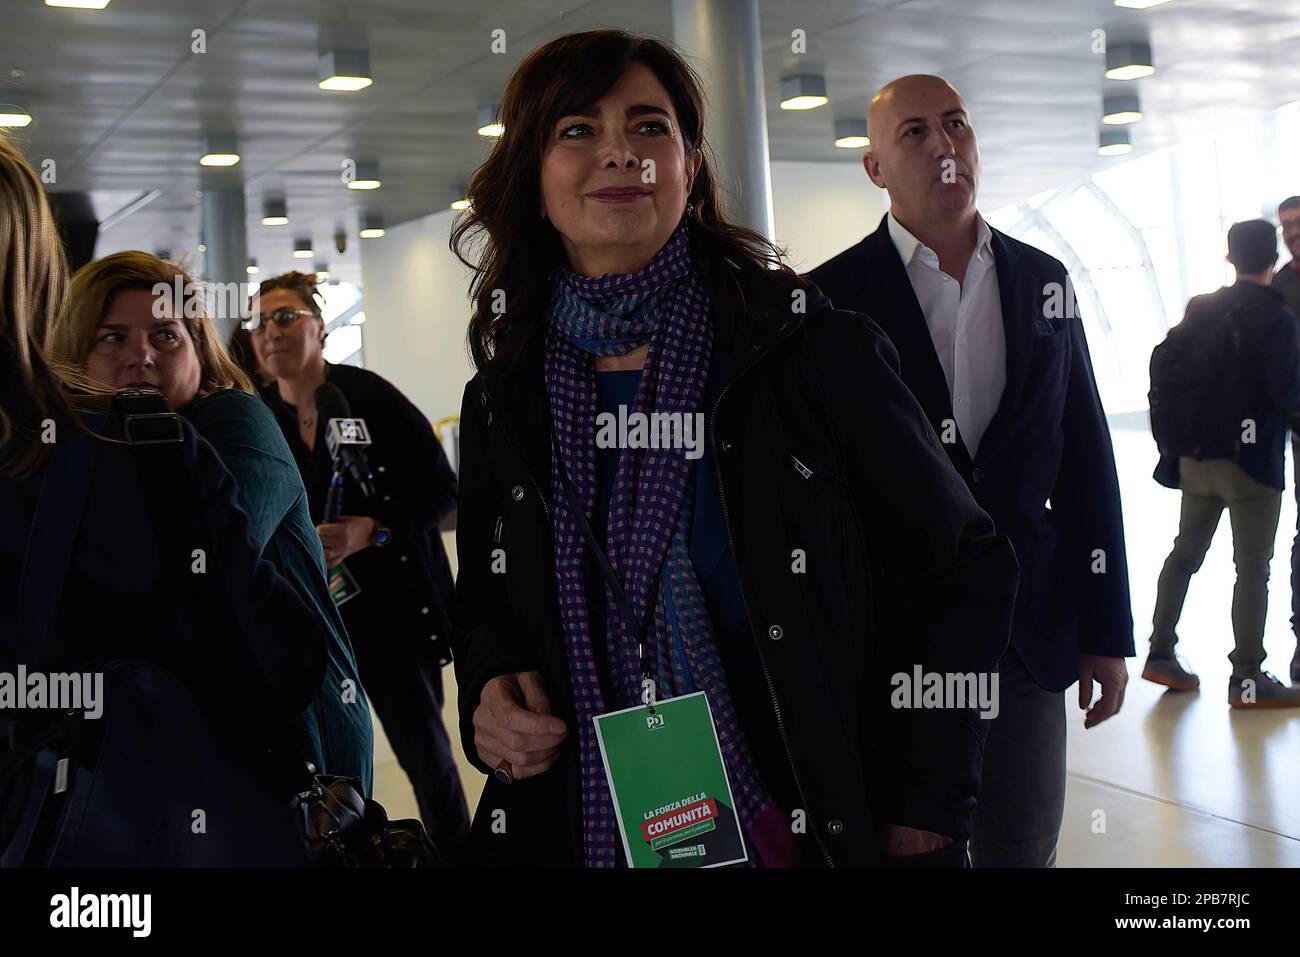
794,541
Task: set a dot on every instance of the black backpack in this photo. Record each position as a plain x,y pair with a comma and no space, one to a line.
1200,393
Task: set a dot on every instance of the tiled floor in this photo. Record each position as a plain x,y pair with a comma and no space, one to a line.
1176,780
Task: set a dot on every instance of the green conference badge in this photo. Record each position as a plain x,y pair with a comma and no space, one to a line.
342,585
671,794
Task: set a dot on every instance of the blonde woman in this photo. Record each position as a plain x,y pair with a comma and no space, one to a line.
125,326
88,582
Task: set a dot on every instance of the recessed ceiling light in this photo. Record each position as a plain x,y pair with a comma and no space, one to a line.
367,177
1121,109
79,4
275,212
851,134
345,71
15,108
1129,61
252,268
221,151
488,125
1115,143
805,91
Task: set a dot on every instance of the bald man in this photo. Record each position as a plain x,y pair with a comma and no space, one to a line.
991,345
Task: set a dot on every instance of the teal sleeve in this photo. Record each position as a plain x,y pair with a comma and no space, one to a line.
245,434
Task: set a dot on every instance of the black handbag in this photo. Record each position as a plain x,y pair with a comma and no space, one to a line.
343,829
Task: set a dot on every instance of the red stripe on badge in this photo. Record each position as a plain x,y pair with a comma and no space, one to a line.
679,818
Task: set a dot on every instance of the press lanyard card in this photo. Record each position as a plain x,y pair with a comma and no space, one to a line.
671,794
342,585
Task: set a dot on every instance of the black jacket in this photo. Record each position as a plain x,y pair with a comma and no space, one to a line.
237,634
404,606
1270,350
890,533
134,562
1287,281
1048,441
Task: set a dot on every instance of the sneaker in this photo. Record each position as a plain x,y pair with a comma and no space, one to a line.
1265,692
1169,671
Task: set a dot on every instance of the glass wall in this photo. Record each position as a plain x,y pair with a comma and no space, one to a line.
344,316
1143,236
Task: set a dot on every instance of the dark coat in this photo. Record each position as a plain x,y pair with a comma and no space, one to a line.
1048,440
1269,350
404,607
210,659
238,634
1287,281
902,567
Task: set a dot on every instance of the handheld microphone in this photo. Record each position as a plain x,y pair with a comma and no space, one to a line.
345,439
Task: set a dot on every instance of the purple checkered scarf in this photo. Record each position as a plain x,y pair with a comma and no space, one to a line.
665,305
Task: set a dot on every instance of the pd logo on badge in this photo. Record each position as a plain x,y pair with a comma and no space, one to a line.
654,721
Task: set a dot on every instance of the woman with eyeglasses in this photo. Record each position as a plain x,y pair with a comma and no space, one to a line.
804,543
390,570
122,327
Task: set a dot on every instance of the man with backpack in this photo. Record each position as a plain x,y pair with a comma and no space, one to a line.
1222,386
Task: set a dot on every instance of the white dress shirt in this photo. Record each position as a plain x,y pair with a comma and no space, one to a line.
965,322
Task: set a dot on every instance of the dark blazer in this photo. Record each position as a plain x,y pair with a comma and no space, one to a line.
1287,281
404,607
889,531
1044,470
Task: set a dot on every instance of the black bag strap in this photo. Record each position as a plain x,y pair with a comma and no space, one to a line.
65,487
